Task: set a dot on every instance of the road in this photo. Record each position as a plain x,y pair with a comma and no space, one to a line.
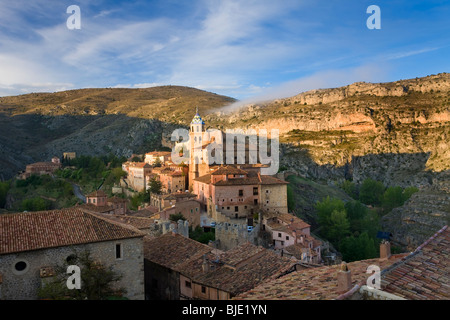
77,192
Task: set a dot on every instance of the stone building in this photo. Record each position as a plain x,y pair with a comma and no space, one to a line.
223,275
163,257
40,168
98,202
163,156
239,193
33,243
137,173
292,235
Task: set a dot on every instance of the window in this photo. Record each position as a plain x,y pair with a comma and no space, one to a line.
255,201
228,208
267,191
196,209
187,284
118,251
203,289
279,235
255,191
241,193
287,237
20,266
71,259
236,209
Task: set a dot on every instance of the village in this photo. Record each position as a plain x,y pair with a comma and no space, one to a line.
260,250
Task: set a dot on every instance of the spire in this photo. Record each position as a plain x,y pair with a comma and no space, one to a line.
197,119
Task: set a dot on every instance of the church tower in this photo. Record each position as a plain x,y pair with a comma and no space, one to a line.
197,128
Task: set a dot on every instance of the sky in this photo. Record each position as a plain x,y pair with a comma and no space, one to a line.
245,49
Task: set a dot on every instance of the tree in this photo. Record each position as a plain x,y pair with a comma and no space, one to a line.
392,198
97,281
339,226
356,212
290,199
176,216
371,192
157,162
155,186
35,204
325,207
349,188
358,248
4,188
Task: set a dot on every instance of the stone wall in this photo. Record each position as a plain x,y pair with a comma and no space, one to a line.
229,236
24,285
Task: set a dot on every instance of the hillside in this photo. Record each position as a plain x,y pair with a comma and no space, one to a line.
35,127
397,133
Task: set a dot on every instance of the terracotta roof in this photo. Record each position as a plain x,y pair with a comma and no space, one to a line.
313,284
97,193
173,249
159,153
56,228
140,165
116,200
247,267
43,164
92,208
145,212
204,179
137,222
425,274
228,170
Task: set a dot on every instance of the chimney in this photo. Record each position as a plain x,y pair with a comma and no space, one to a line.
385,250
344,278
205,264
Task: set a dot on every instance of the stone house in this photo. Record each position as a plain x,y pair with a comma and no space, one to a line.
163,201
33,243
163,156
238,193
137,173
292,236
40,168
163,256
223,275
98,202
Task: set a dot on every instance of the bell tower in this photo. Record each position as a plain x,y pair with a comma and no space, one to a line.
197,128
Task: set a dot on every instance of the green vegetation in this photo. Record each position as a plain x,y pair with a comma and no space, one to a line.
41,193
155,186
176,216
374,193
139,199
371,192
201,236
350,226
97,281
90,172
4,188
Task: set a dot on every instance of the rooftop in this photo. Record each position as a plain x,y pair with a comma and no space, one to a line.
172,249
46,229
243,268
226,170
425,273
97,193
313,284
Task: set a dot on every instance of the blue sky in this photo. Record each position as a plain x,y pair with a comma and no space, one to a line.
246,49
